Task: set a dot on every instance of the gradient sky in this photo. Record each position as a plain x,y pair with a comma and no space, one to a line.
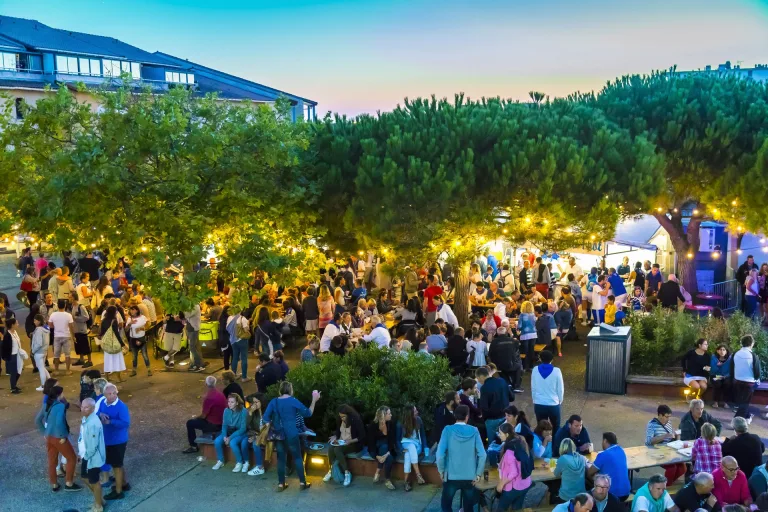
364,56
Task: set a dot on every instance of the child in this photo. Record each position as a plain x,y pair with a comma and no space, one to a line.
638,299
86,384
477,350
610,310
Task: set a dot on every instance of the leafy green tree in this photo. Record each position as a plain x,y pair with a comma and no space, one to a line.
436,176
711,130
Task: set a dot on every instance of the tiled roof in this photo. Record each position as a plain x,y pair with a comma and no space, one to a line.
9,44
38,37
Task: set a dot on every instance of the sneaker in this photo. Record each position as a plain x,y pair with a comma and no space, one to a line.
749,420
191,449
165,358
200,369
347,479
256,471
389,485
192,369
714,405
149,373
114,495
217,466
16,391
73,488
133,373
77,363
39,388
327,477
87,365
245,467
376,476
519,390
247,379
171,364
238,467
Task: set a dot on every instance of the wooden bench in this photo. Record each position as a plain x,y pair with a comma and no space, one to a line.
674,387
536,349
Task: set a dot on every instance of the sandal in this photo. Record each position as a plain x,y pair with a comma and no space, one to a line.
281,487
305,486
408,487
420,479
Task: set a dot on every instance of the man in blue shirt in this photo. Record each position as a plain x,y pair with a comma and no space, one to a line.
360,292
618,289
612,461
653,280
116,421
575,430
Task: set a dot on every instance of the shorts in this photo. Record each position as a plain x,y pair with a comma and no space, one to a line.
62,345
116,454
553,332
689,378
91,474
312,325
172,342
82,345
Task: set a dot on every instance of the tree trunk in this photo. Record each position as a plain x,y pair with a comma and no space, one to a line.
685,241
461,295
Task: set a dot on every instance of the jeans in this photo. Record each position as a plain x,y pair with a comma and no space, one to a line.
193,338
742,395
512,499
135,351
258,452
721,389
240,353
291,444
234,443
751,305
598,316
527,347
548,412
381,448
40,363
10,369
469,494
492,426
199,424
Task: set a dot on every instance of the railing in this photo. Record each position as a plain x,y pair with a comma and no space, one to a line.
728,294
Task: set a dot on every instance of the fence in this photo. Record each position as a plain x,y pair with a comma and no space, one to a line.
726,295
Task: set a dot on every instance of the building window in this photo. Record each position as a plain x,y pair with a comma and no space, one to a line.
136,70
179,78
85,66
8,61
111,67
20,107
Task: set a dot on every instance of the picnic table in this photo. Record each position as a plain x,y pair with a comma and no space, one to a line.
698,309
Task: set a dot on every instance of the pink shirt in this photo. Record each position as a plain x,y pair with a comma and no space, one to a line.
509,467
737,492
40,264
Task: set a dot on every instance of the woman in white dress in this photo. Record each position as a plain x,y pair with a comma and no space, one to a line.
113,363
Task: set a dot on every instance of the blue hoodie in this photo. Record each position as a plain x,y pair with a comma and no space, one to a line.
459,445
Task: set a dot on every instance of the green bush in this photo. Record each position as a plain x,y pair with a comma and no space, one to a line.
659,340
367,379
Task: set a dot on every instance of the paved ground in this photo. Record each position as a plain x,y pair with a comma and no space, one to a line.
164,479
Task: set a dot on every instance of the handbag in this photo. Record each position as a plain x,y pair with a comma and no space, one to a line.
276,433
261,437
27,286
109,342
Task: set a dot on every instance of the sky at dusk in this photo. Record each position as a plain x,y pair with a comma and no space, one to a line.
363,56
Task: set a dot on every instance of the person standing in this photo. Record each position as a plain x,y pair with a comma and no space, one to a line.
81,316
39,348
11,354
91,449
744,373
547,390
116,421
311,312
137,339
653,280
52,422
741,276
751,294
600,291
430,308
460,461
193,338
494,398
62,325
239,333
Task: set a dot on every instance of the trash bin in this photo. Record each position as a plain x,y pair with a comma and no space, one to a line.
608,360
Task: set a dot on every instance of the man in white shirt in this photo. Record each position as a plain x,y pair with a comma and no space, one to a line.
506,279
571,268
331,330
600,292
746,371
62,326
379,334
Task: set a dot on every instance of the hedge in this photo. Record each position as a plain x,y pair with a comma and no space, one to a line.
366,379
660,339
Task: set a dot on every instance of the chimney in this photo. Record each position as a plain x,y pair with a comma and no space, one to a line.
708,68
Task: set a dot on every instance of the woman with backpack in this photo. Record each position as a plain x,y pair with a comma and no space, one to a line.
515,467
112,344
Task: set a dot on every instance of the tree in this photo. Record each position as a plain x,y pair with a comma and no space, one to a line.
170,176
711,131
435,176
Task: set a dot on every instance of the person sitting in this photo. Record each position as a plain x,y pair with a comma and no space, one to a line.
444,414
574,430
383,306
745,447
339,345
424,351
580,503
331,330
605,501
230,386
370,308
233,428
720,373
209,420
653,496
543,326
697,494
494,398
542,440
382,444
758,482
456,350
612,461
515,465
571,467
254,425
309,353
690,424
379,334
436,342
268,373
477,297
490,323
412,443
505,354
696,368
660,431
706,452
349,437
444,311
731,486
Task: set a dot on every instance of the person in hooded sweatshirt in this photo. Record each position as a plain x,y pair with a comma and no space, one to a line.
547,390
570,468
460,445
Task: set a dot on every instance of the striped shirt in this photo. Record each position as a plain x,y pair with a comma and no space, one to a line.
655,428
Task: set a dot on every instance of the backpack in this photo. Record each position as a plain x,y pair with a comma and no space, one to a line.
639,278
337,473
591,282
540,277
241,332
110,343
525,458
89,322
